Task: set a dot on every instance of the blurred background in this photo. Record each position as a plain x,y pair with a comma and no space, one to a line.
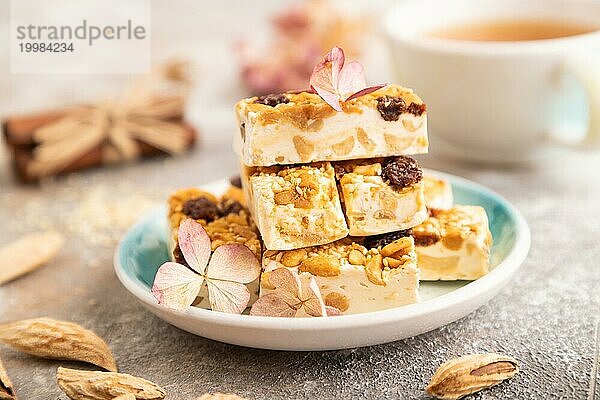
231,44
237,49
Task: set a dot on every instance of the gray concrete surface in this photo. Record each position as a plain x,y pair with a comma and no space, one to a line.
546,317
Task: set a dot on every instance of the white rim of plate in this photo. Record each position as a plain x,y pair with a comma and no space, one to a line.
503,272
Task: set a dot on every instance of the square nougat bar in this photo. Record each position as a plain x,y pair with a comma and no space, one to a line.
291,128
454,244
353,275
438,191
225,219
296,206
381,195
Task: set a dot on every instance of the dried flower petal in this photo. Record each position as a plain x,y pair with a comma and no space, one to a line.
311,298
352,78
227,296
276,304
332,311
233,262
336,81
286,280
176,286
364,91
292,294
230,268
194,244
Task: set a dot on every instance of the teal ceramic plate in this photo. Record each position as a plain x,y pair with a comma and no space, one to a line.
144,248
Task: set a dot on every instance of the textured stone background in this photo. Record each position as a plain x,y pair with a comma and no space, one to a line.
546,317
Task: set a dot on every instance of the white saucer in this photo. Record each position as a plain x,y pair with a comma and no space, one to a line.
144,247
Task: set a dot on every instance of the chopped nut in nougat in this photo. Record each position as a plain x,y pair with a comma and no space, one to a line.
296,207
454,244
293,128
381,195
438,192
353,278
225,220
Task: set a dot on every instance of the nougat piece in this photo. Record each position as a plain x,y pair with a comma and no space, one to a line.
291,128
352,277
225,220
245,173
438,192
234,191
381,195
454,244
296,206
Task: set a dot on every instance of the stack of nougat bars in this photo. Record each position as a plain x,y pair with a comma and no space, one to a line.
337,195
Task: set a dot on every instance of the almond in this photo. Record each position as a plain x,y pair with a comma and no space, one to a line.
28,254
469,374
7,392
127,396
96,385
50,338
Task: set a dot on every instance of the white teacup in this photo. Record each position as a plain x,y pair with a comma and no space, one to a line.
500,101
